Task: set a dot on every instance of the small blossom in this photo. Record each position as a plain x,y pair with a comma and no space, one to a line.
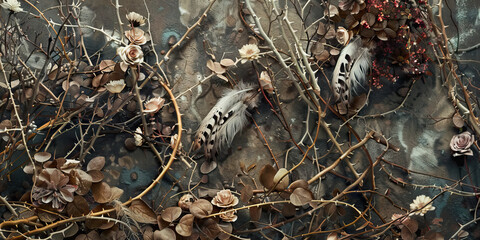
225,199
228,216
138,137
136,19
154,105
266,82
460,144
115,86
342,35
421,205
136,36
131,54
51,187
185,202
12,5
249,52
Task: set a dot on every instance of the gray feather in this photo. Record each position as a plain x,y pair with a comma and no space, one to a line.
227,118
350,72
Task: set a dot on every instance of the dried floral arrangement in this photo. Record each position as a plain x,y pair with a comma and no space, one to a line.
331,54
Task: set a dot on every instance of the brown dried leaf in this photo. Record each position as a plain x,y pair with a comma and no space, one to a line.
96,163
185,225
96,80
142,213
367,33
165,234
301,183
458,120
321,29
92,235
107,66
433,235
288,210
97,176
208,166
43,213
82,179
255,212
411,224
227,227
246,193
382,36
78,207
266,176
351,22
201,208
390,33
102,192
281,179
369,18
171,214
301,196
210,228
406,234
42,156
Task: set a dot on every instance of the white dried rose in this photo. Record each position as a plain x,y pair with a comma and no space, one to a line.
225,199
228,216
115,86
136,36
421,205
249,52
12,5
131,54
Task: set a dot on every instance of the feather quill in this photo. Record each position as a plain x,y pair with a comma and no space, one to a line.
227,118
351,70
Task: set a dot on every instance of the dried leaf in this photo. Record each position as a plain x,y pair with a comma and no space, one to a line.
107,65
165,234
288,210
92,235
246,193
42,156
369,18
171,214
185,225
321,30
332,11
301,183
281,179
78,207
97,176
43,213
208,166
411,224
458,120
301,196
96,80
101,192
382,36
201,208
255,212
82,179
227,62
141,212
406,234
332,236
227,227
266,176
96,163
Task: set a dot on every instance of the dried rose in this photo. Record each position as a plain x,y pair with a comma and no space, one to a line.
422,204
131,54
249,52
154,105
185,201
460,144
115,86
136,19
225,199
342,35
136,36
228,216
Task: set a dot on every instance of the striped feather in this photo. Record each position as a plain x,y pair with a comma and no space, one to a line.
350,72
227,118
